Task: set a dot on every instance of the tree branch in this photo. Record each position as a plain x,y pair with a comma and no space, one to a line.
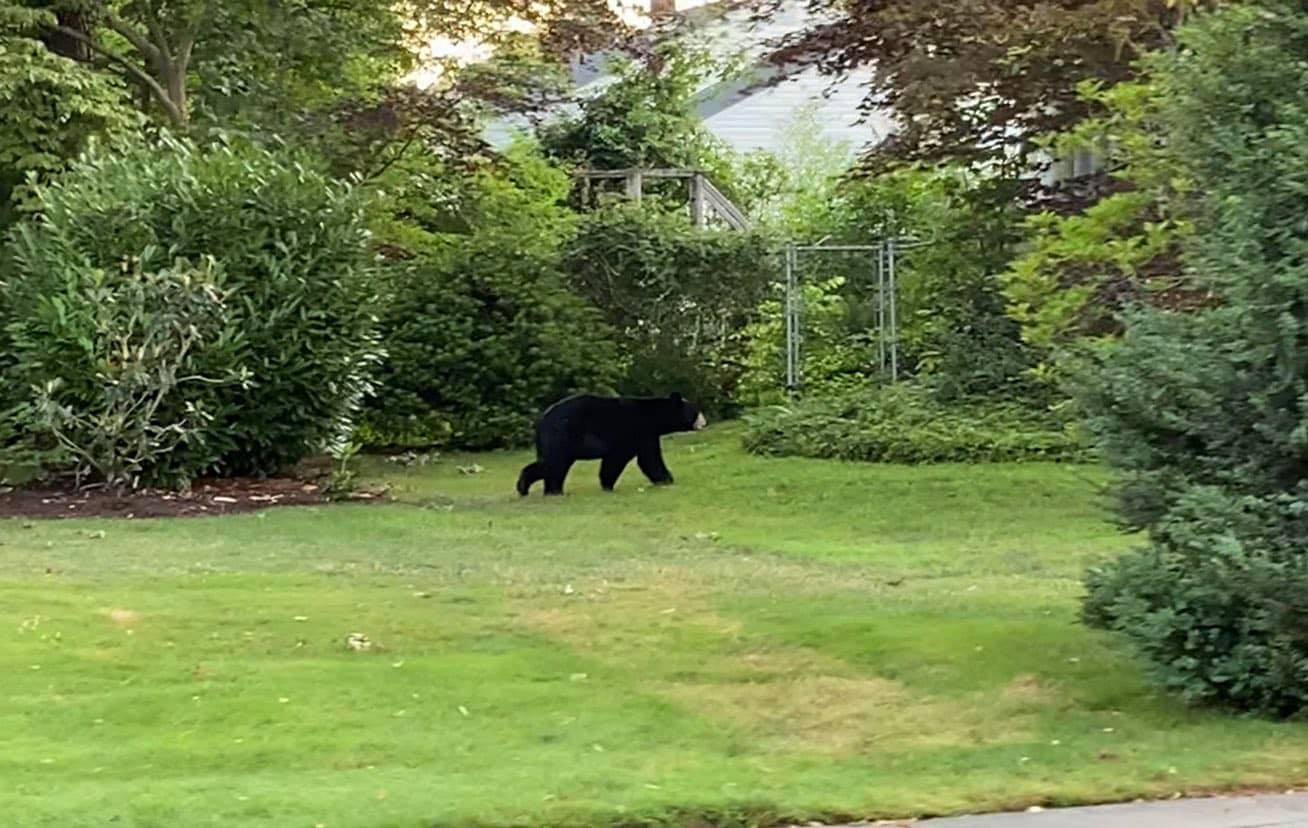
184,49
161,95
139,42
191,33
156,29
395,157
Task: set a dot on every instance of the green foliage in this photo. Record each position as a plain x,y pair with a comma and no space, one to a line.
124,351
1082,269
905,424
677,296
838,354
954,334
263,67
1218,603
1203,414
645,118
50,107
481,329
1168,405
254,66
292,270
796,191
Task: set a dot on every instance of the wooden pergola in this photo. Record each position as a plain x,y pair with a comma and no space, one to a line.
706,200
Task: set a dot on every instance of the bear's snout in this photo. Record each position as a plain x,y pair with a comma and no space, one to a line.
700,422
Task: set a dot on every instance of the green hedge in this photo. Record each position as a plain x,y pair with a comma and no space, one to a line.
480,327
904,424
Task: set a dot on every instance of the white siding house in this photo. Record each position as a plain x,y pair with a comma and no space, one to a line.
749,115
741,111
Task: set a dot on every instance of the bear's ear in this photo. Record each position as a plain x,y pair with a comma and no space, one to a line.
675,396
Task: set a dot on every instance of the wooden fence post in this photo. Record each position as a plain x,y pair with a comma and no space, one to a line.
697,199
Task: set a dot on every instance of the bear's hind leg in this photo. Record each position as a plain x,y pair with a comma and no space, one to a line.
556,472
611,468
529,475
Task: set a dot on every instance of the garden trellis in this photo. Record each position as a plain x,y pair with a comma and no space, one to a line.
884,258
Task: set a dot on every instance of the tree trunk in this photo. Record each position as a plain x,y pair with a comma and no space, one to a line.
174,81
66,45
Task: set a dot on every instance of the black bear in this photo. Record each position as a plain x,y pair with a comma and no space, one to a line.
612,430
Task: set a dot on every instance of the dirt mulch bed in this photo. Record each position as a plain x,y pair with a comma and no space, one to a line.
212,497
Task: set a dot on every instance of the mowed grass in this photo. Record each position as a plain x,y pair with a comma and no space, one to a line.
766,640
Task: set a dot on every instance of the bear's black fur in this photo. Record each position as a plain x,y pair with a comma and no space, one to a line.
613,430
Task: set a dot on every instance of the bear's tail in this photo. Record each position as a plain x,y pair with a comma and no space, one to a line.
531,473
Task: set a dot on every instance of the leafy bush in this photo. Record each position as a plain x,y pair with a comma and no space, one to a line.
1219,604
479,341
955,333
904,424
796,190
481,329
289,304
141,339
25,459
1166,406
1204,414
677,296
1083,269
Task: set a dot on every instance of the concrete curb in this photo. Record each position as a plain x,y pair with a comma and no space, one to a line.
1271,811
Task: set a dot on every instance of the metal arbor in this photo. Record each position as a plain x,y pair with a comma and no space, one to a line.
885,257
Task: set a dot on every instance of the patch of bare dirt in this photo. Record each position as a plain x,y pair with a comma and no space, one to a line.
207,497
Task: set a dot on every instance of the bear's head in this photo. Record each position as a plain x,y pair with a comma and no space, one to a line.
689,417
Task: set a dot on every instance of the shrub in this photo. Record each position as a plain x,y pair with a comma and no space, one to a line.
481,329
292,305
1204,414
138,342
479,340
1086,265
1219,604
954,332
677,296
1165,406
904,424
1082,270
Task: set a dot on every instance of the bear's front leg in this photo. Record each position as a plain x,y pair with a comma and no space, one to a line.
650,460
611,468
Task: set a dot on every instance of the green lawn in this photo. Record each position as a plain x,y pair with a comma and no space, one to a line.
768,638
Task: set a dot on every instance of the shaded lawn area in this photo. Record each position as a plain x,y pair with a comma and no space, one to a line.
766,639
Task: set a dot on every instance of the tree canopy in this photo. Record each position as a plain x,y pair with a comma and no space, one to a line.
189,55
978,80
